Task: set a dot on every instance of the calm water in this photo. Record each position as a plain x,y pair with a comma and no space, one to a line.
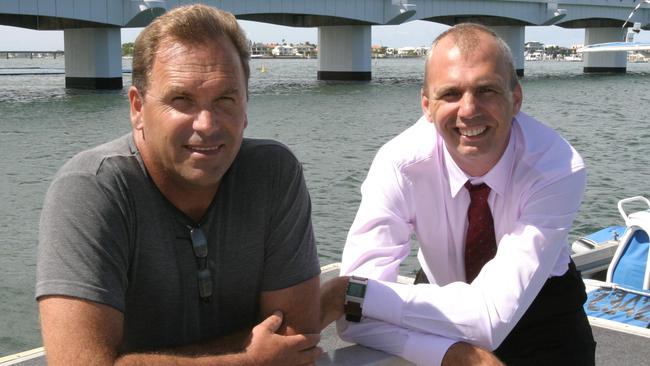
333,128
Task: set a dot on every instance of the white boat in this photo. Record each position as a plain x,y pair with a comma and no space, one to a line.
615,47
593,253
621,302
628,43
573,58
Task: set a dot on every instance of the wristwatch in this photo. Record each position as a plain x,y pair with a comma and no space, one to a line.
354,296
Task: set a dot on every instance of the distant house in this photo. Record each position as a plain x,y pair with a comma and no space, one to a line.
412,51
260,49
534,51
637,57
534,56
406,51
305,49
421,51
532,47
283,50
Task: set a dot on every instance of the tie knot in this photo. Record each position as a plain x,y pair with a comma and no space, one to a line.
479,191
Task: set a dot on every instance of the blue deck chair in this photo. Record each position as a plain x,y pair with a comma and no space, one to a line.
630,266
627,298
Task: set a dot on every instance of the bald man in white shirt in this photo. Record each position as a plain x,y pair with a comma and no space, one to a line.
522,304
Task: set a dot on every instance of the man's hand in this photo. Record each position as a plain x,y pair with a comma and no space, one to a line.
265,347
332,299
465,354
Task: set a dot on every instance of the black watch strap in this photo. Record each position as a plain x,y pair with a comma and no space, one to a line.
352,311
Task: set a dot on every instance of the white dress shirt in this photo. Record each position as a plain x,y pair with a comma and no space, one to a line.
414,186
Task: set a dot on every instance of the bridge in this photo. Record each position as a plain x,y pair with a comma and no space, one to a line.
30,54
93,45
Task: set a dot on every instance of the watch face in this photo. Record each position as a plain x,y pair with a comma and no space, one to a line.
356,289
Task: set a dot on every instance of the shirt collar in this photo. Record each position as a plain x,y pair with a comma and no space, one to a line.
496,178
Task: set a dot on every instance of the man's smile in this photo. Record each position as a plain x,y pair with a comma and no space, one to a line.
204,149
471,132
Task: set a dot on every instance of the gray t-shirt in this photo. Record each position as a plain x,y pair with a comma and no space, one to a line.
108,235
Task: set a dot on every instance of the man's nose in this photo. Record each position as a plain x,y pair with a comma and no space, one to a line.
468,106
205,121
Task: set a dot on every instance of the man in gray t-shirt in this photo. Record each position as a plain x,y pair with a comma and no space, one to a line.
181,242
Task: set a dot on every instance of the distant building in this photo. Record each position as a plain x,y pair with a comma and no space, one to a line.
638,57
406,51
283,50
305,49
533,51
412,51
260,49
532,47
422,51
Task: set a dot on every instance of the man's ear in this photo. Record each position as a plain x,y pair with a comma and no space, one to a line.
136,100
425,103
517,97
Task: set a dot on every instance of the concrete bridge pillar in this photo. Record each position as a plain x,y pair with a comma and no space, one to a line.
614,62
515,38
93,58
344,52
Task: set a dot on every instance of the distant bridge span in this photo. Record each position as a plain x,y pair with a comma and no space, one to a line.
92,37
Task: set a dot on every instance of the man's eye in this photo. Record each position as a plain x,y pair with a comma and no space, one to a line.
486,91
449,95
181,103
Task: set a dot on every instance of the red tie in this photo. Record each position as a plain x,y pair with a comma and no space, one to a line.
480,242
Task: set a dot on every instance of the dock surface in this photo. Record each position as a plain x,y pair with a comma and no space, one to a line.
613,348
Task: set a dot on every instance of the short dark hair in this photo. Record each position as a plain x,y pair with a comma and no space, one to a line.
193,24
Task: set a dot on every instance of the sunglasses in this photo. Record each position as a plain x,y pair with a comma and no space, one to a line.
200,249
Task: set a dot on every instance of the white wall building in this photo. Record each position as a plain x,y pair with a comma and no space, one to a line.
283,50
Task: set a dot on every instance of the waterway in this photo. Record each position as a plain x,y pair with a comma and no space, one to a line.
334,128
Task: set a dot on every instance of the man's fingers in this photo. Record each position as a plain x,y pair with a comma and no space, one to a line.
466,354
273,322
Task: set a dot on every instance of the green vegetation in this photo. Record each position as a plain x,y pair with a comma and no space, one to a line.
555,51
379,51
127,49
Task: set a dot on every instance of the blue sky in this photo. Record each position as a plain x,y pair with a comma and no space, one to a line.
416,33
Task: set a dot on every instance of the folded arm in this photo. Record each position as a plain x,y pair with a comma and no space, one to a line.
417,347
481,313
80,332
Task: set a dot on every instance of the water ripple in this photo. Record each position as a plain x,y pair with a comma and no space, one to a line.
333,128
